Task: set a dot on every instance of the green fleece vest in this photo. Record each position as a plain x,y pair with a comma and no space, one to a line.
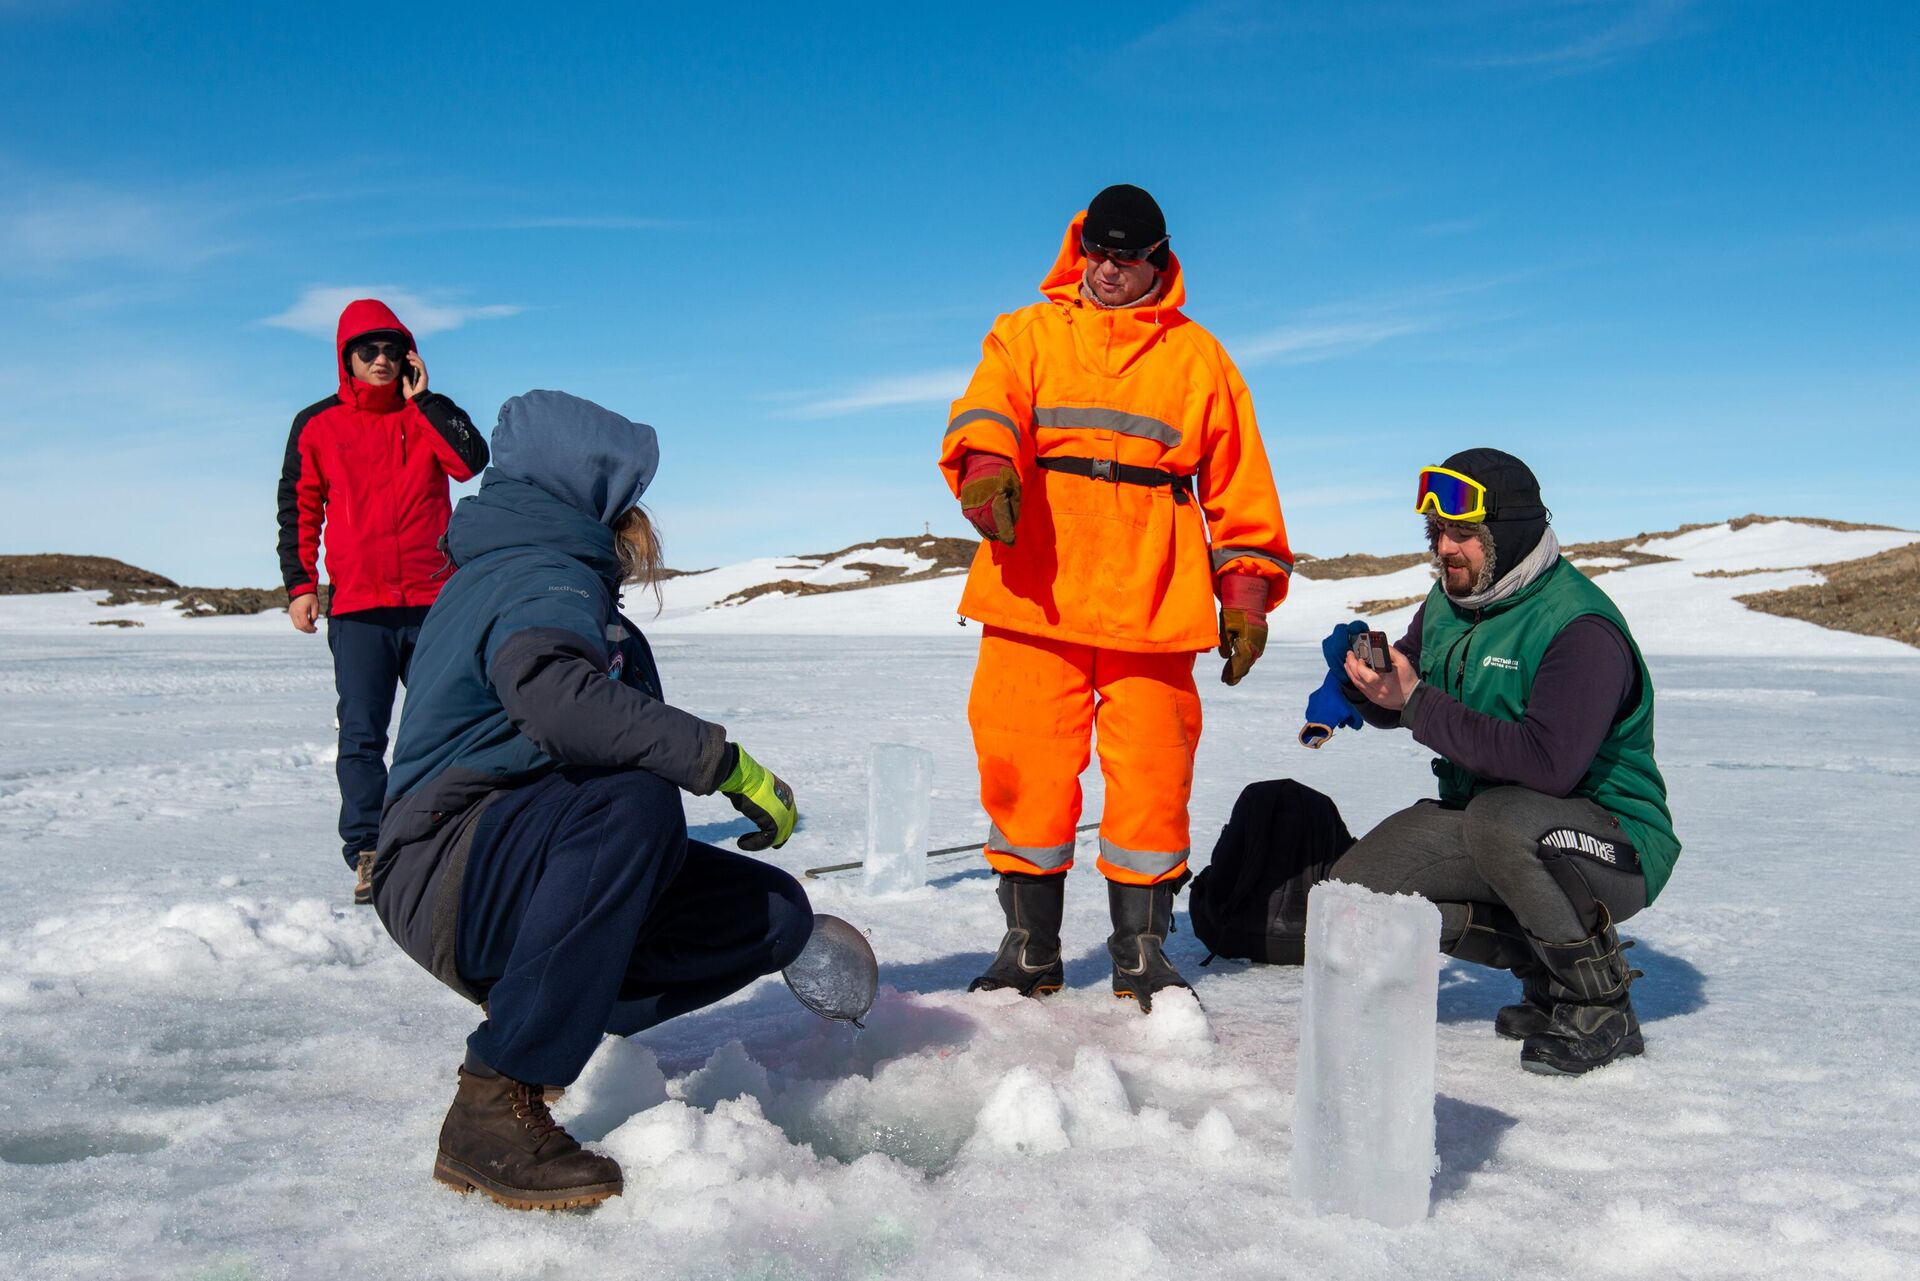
1487,659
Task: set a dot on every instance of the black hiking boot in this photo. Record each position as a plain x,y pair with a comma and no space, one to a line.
1493,937
1142,918
1535,1008
1592,1022
363,879
1029,957
500,1138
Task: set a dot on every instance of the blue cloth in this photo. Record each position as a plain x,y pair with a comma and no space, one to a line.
372,649
1328,708
585,910
1339,643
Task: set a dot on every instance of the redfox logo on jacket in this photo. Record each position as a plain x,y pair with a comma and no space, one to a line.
372,467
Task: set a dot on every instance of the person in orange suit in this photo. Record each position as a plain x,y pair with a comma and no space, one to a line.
1106,450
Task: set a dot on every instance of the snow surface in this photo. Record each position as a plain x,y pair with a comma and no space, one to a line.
211,1066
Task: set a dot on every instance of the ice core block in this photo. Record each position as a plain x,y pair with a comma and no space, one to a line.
1363,1109
899,817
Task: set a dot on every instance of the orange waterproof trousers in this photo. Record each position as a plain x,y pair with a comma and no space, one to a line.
1035,704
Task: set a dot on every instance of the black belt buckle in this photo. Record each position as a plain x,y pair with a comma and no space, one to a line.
1102,469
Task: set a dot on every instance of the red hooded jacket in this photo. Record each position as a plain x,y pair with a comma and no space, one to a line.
372,466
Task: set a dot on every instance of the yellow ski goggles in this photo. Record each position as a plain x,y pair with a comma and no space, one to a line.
1451,496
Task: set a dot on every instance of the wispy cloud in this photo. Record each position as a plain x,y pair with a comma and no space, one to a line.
1209,24
1303,344
924,388
1347,328
1578,34
49,228
317,310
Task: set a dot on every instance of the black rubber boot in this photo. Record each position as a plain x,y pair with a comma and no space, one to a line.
1029,957
1534,1012
1142,918
1592,1022
500,1138
1493,938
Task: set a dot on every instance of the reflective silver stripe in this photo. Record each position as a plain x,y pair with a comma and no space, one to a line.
1145,862
1221,555
1109,420
1042,856
983,415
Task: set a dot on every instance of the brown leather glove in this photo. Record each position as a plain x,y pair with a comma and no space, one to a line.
990,495
1243,624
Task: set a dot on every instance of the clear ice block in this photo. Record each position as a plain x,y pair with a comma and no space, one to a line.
1363,1109
899,817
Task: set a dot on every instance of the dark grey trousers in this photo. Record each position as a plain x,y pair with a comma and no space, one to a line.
1509,846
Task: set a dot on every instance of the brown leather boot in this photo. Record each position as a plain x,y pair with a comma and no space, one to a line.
363,879
500,1138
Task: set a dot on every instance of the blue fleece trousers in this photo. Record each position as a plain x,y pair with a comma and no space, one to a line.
372,649
584,909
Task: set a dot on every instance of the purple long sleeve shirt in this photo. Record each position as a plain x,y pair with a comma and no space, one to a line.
1586,679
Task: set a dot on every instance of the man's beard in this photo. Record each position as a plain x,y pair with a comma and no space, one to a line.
1480,583
1488,574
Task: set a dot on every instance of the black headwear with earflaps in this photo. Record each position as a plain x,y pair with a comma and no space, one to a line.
1515,515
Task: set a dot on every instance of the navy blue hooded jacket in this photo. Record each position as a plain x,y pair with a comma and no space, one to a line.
525,662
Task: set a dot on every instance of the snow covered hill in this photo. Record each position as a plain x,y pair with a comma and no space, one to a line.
1678,591
1672,605
211,1066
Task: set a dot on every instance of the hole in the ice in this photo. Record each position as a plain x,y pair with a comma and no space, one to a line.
929,1146
57,1147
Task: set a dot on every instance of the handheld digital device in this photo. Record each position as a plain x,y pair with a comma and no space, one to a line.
1371,649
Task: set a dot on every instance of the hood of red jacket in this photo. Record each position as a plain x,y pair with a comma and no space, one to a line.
364,316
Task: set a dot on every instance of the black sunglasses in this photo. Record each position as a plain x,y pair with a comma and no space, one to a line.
372,351
1125,257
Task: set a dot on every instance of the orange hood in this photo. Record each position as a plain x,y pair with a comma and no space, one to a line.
1063,281
1110,339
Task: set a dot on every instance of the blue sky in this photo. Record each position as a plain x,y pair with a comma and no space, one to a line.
1666,251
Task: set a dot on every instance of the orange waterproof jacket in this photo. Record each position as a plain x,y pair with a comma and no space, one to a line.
1116,565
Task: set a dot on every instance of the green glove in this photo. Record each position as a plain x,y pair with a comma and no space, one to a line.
759,794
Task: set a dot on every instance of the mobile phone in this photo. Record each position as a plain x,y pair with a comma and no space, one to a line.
1371,649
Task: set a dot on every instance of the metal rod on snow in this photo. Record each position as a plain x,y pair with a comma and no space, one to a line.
813,873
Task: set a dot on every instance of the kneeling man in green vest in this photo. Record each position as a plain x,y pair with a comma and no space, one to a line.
1552,821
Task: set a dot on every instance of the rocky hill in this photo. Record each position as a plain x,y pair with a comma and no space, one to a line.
50,572
126,584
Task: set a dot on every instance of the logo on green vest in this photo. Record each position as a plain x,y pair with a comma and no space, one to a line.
1504,664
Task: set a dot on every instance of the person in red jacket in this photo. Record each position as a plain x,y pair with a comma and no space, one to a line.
370,464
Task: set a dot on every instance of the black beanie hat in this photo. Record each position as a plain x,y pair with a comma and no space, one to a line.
1515,516
1126,217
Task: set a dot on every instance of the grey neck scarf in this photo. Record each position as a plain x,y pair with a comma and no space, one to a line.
1537,562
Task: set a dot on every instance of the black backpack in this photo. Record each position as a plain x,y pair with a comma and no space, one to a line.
1250,902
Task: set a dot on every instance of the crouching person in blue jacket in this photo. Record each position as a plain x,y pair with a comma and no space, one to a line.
533,852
